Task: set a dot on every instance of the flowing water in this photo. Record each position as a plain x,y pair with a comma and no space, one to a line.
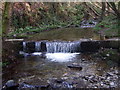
49,61
53,47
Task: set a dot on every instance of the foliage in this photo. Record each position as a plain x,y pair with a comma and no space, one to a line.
39,16
109,26
3,64
110,55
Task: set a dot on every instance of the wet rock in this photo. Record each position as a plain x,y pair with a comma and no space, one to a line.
109,74
101,83
108,78
112,84
26,86
43,86
83,59
91,81
11,85
95,80
64,78
91,77
102,78
99,69
59,83
59,80
86,78
65,74
29,47
116,72
29,86
67,85
76,67
43,47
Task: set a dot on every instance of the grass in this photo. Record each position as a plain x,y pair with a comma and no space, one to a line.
42,27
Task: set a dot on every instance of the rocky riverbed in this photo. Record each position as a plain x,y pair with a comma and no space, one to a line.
75,80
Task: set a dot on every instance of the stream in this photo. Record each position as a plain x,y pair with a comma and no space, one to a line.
45,61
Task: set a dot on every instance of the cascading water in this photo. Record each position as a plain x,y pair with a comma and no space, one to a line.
52,47
24,46
54,51
63,47
37,46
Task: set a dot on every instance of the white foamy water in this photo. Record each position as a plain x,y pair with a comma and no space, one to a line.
61,57
36,53
57,57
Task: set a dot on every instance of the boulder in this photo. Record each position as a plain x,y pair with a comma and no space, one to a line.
11,85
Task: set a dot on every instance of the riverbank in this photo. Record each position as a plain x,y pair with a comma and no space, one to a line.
104,29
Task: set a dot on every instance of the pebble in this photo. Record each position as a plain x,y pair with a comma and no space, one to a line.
112,84
65,74
110,74
108,78
91,77
108,55
64,78
83,59
101,83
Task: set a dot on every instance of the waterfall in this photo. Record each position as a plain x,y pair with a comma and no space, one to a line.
37,46
51,47
64,47
24,46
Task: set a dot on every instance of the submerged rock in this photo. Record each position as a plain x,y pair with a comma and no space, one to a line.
76,67
27,86
59,80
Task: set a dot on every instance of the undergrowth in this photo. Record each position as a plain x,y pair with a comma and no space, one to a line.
109,25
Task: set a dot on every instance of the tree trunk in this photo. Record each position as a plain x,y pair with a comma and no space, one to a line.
103,11
6,18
